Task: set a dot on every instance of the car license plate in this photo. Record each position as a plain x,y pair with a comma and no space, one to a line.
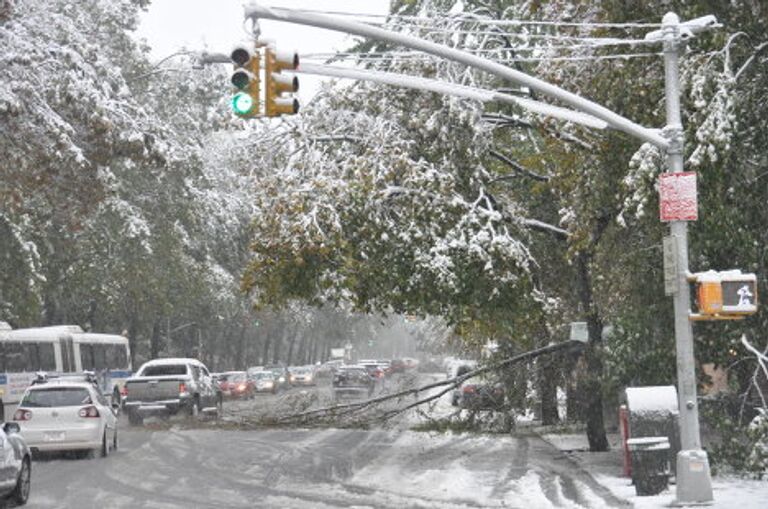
53,436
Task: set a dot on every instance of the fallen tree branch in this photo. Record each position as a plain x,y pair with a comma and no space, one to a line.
451,383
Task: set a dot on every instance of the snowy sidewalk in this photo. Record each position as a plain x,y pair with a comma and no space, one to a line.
606,468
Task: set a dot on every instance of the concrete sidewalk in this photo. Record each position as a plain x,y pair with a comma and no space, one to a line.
606,468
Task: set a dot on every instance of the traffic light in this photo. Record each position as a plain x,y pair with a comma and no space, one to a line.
739,293
277,84
727,294
245,78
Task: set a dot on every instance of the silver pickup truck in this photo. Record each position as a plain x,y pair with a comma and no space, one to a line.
170,386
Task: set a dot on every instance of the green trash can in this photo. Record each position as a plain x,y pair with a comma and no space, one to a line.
650,464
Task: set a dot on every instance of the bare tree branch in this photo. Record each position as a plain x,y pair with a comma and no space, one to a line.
518,168
339,137
535,224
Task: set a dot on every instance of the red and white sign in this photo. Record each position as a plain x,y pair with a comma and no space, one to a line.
677,197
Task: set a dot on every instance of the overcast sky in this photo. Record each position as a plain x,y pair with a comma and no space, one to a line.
215,25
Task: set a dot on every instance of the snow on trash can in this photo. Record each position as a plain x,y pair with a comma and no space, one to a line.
650,464
653,412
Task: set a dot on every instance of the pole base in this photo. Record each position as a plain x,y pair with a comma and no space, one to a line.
694,482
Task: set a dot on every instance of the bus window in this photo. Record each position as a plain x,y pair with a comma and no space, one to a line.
117,356
100,357
47,356
86,357
26,357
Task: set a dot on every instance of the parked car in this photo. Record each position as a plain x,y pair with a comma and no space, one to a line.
236,384
15,464
302,375
169,386
352,381
264,381
68,413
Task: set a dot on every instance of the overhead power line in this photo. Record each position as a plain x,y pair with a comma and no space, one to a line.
487,21
421,57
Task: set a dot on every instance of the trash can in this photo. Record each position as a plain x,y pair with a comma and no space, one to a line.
653,413
650,464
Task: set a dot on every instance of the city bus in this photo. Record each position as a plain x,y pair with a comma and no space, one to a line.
59,349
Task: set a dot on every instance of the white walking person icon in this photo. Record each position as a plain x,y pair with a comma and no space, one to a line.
744,296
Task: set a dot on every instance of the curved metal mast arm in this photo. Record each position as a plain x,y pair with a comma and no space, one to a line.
256,11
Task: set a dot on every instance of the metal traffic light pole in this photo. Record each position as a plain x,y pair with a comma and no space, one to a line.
693,480
694,484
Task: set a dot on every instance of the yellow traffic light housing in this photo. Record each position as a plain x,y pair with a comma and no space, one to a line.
727,295
276,84
245,79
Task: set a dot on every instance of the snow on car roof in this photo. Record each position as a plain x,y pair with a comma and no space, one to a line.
172,360
60,383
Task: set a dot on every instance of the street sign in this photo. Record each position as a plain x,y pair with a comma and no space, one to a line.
677,197
671,283
579,332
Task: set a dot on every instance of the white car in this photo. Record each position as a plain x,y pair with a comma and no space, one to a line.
67,414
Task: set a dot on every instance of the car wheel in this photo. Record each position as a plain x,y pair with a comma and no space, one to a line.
134,419
104,445
20,493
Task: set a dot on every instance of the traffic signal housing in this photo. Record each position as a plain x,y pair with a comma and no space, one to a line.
245,79
277,84
725,295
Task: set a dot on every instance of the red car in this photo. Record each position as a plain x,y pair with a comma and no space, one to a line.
236,384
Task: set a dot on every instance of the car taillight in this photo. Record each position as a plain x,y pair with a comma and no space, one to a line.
469,389
88,412
182,388
124,391
241,387
22,415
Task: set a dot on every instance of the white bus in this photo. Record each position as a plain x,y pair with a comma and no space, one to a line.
59,349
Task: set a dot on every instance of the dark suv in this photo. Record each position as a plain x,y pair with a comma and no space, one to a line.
352,381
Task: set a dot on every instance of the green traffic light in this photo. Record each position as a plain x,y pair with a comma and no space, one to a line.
243,104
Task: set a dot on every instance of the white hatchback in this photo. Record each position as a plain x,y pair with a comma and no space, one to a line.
62,415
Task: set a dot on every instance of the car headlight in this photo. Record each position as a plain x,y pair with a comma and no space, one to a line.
282,379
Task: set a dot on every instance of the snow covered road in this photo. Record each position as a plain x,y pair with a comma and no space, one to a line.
317,468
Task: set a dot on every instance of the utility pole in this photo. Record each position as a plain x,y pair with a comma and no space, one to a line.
694,483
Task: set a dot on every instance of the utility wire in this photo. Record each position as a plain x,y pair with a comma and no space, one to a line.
486,21
559,37
417,57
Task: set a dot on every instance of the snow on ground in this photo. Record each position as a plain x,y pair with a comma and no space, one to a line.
606,468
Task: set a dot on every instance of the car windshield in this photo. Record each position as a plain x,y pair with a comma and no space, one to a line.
264,375
164,370
236,377
56,397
